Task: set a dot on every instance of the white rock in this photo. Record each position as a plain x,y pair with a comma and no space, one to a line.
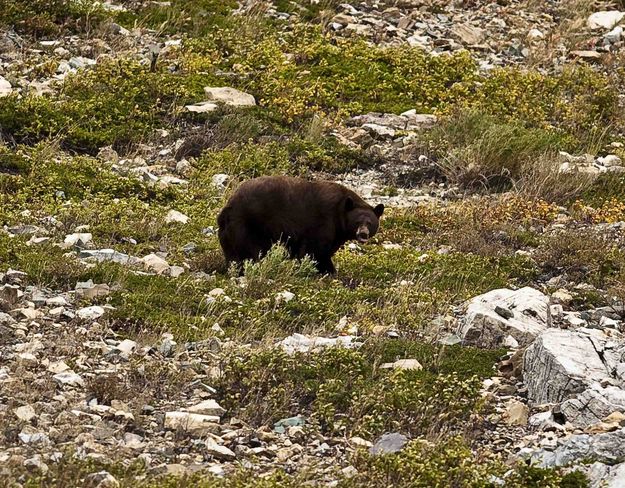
284,297
78,239
302,343
615,35
219,180
208,407
191,422
56,302
5,87
610,160
90,313
229,96
126,347
605,19
25,413
360,442
177,217
485,327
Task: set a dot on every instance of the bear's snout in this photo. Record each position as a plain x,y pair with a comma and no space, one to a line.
362,234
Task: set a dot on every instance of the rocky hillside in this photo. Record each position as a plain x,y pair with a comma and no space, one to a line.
476,342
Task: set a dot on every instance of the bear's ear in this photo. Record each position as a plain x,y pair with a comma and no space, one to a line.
379,210
349,204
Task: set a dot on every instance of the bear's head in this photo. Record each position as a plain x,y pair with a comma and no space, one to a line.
362,221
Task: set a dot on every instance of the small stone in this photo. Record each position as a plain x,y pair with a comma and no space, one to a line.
360,442
587,55
535,35
102,479
610,160
126,347
516,413
281,425
36,464
469,34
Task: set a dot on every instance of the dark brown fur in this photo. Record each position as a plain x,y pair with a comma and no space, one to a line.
313,218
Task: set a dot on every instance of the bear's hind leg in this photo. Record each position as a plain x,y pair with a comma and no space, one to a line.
325,266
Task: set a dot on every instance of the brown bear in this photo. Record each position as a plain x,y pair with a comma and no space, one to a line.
311,218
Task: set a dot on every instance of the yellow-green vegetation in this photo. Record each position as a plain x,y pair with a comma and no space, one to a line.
347,392
44,18
422,465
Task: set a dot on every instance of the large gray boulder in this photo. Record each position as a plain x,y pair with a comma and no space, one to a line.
593,405
608,448
491,319
561,364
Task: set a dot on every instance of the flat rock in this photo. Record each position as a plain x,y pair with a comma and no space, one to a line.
229,96
411,364
102,255
68,378
469,34
301,343
485,324
156,263
207,407
192,422
173,216
202,107
90,313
